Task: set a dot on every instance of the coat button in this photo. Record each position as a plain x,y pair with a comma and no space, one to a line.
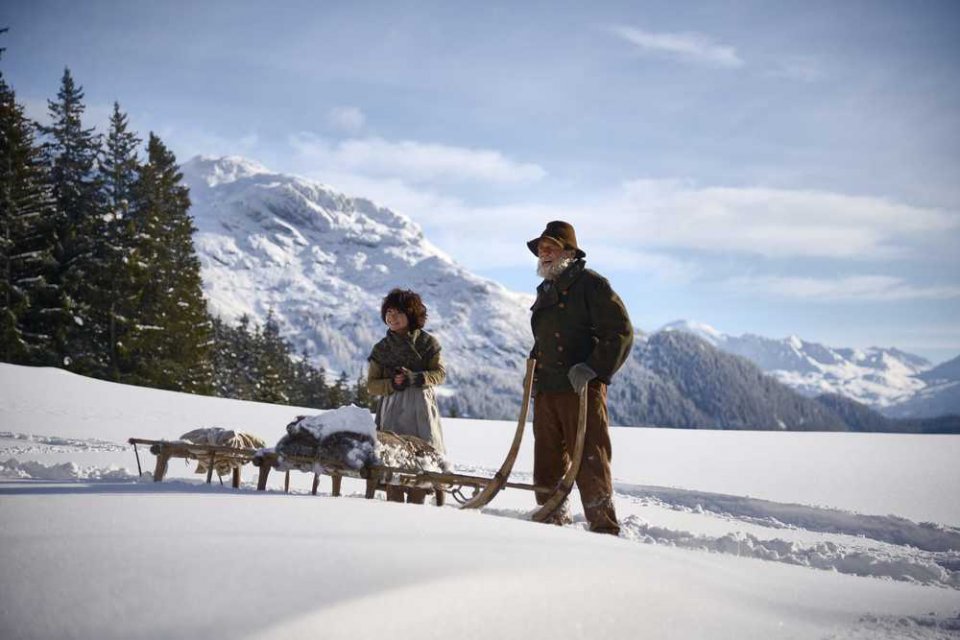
539,365
563,306
556,334
559,363
559,347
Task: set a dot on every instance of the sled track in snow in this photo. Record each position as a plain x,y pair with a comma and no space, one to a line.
894,548
887,547
891,529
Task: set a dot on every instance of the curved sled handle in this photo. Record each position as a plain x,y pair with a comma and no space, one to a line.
496,483
566,483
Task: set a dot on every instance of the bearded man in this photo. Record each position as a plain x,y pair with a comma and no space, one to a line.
582,336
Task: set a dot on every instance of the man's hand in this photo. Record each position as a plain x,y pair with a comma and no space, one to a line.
579,375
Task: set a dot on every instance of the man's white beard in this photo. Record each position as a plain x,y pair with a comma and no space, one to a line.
553,271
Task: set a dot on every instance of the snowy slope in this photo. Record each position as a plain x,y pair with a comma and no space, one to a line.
940,397
725,535
876,377
322,262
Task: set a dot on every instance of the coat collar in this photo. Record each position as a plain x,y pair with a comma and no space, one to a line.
410,337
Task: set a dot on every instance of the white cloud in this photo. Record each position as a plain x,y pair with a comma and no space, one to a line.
770,222
496,236
694,47
865,288
413,161
349,119
665,268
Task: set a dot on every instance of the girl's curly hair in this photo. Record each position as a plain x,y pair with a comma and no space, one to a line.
409,303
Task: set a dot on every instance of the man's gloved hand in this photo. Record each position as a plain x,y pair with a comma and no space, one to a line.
579,375
417,379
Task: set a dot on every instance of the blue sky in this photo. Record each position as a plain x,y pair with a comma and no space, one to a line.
773,168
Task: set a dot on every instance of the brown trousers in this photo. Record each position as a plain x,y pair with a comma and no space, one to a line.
555,429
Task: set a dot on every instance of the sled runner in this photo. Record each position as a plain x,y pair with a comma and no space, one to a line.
493,487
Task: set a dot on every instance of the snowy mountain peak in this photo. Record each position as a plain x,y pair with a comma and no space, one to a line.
220,170
874,376
703,330
322,262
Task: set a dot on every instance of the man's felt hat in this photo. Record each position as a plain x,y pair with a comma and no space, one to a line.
560,232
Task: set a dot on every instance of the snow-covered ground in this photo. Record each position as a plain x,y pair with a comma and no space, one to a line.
725,535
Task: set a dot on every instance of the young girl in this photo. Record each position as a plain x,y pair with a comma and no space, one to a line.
403,369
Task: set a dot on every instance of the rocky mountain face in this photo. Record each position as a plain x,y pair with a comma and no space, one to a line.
680,380
322,262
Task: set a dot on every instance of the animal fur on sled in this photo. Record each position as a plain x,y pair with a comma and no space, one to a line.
222,438
358,450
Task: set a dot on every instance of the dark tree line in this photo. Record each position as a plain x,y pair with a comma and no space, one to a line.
98,271
255,363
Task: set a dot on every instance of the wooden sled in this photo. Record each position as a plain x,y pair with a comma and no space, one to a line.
376,477
379,477
208,453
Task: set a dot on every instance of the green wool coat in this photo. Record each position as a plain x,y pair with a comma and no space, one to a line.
578,318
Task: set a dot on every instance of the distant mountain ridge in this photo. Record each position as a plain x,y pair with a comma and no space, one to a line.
940,397
322,261
681,380
886,379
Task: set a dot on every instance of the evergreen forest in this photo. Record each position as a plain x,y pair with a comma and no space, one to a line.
98,272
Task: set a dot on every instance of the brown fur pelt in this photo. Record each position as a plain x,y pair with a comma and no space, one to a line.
222,438
353,450
356,450
408,452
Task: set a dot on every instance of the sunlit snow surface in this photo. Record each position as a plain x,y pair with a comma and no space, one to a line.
725,535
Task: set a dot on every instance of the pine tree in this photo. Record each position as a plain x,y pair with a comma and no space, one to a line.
318,393
245,347
221,360
71,152
339,394
299,391
29,300
171,342
362,397
274,366
118,175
